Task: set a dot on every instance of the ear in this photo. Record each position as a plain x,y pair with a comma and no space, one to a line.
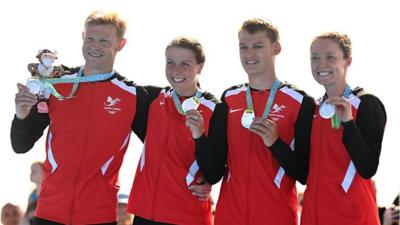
199,67
122,43
348,61
277,48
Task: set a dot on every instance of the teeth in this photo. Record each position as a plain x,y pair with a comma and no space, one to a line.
95,54
177,79
251,61
324,73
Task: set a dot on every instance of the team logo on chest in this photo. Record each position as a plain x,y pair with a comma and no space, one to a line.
111,105
276,108
163,100
276,112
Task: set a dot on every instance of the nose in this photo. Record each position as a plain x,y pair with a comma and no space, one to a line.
318,63
95,44
176,70
250,51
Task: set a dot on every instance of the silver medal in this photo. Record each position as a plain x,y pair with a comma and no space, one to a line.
34,86
190,104
326,110
247,118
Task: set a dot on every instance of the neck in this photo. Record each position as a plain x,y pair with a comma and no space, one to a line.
90,71
335,90
186,93
262,82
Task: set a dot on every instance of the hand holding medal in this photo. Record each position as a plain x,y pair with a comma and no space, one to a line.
43,69
45,75
262,126
24,101
248,115
337,108
194,120
266,129
342,108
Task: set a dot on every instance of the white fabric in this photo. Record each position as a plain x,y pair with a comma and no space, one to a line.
192,173
50,155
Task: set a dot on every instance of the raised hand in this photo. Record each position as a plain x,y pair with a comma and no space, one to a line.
343,107
266,129
195,122
24,100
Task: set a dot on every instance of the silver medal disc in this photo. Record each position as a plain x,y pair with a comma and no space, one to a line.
190,104
326,110
247,118
34,86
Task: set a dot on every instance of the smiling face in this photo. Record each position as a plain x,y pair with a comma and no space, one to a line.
257,52
328,63
182,70
100,46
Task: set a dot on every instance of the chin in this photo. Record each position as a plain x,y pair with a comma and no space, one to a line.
176,87
322,80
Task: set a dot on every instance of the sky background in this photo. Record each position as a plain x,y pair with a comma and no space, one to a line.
28,26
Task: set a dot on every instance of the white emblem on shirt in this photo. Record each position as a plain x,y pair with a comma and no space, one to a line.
110,105
111,102
277,109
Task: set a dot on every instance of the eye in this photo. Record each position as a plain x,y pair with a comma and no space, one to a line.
242,47
314,58
170,63
89,39
185,64
104,41
258,46
330,57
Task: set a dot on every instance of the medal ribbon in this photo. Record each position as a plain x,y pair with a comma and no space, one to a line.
335,120
178,104
271,97
78,79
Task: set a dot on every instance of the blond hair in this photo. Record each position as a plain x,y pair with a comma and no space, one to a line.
107,18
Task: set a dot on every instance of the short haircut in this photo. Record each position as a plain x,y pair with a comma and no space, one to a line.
259,25
107,18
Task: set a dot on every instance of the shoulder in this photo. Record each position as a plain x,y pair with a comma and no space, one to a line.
123,83
118,77
367,98
370,109
296,93
210,97
362,93
234,90
209,100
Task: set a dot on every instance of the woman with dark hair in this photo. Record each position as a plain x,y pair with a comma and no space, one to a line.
181,119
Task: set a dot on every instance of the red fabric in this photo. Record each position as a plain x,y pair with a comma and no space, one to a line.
84,133
159,191
248,193
325,202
